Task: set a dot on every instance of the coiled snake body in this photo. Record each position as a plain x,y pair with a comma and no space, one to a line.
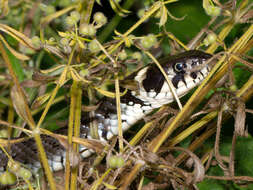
153,92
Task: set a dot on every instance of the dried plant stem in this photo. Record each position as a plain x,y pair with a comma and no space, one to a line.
56,100
134,171
242,178
61,81
144,130
171,36
77,91
193,128
193,43
86,13
140,133
232,156
49,102
10,117
217,143
70,134
117,94
100,180
43,158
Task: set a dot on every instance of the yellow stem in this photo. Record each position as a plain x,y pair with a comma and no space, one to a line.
77,116
43,158
70,134
100,180
117,92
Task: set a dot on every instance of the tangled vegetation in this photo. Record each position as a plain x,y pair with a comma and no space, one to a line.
59,58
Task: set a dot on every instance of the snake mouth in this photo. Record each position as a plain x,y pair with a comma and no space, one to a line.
188,81
182,82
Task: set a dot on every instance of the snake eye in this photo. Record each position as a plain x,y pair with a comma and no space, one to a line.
179,67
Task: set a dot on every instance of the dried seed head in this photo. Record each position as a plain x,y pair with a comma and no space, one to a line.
137,55
148,41
100,18
24,173
64,41
122,55
36,41
70,21
8,178
93,46
87,30
116,162
75,16
211,38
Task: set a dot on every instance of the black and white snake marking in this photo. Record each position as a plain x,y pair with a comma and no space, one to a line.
153,92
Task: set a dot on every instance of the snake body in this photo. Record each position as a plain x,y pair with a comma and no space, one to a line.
153,92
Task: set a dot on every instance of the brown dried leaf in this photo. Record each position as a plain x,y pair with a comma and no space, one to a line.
5,142
90,108
240,119
53,69
19,104
42,78
96,145
74,158
40,100
199,170
149,186
54,50
90,144
18,55
247,17
30,84
20,37
150,157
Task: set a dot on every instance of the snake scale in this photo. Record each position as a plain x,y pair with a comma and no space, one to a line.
153,92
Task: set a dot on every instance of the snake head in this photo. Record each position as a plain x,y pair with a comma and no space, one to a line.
185,70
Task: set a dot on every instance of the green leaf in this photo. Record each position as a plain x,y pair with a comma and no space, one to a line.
16,64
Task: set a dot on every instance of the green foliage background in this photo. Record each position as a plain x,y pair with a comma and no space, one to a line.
193,20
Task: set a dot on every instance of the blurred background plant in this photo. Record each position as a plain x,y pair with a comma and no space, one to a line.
60,57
